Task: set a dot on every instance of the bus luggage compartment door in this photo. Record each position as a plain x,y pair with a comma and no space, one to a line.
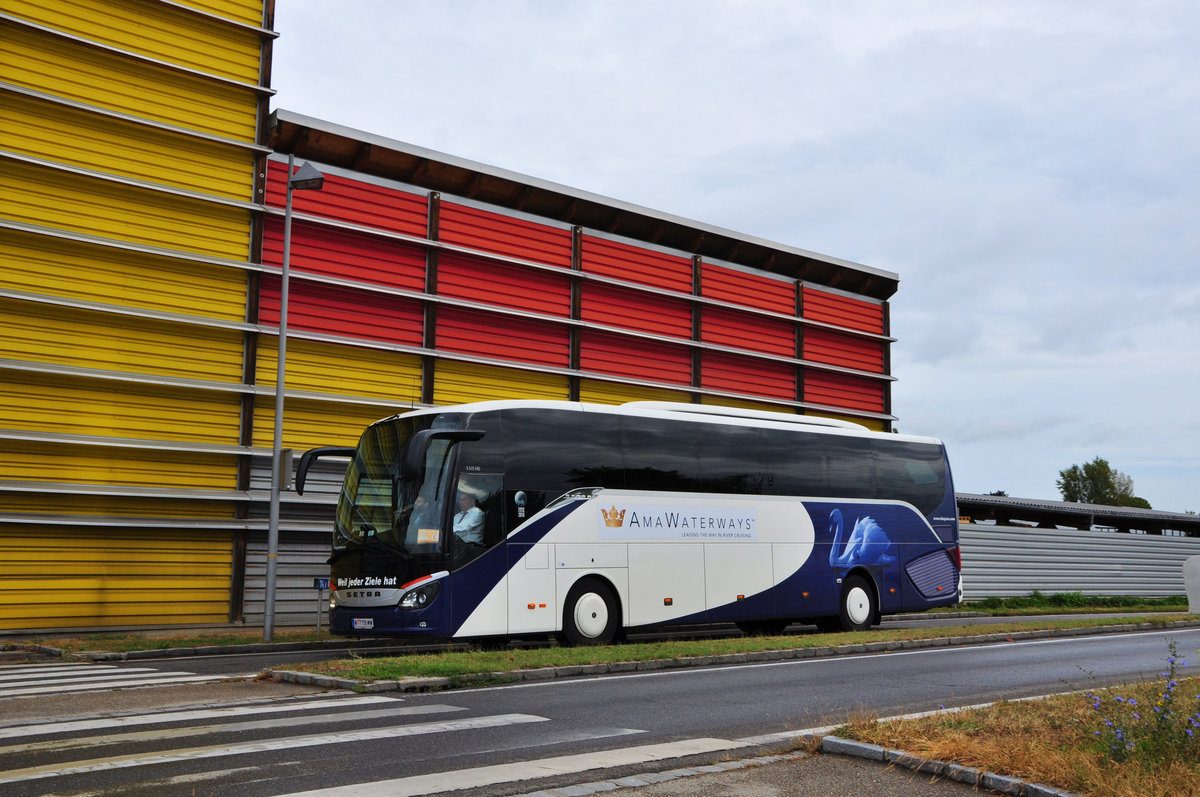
532,606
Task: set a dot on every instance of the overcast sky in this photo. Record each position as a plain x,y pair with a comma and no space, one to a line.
1029,169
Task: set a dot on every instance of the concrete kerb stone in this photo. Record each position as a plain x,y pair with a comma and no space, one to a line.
45,650
839,746
835,745
617,666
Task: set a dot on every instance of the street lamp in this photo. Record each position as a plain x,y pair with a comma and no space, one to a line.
306,178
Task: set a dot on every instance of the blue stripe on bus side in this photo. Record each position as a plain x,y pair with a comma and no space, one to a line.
813,590
474,581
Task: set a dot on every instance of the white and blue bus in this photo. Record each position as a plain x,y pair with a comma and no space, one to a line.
509,519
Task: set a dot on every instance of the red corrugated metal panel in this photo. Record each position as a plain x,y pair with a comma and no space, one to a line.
502,337
345,254
352,201
504,235
824,346
745,331
840,390
749,290
734,374
635,264
831,308
335,310
505,285
629,309
606,353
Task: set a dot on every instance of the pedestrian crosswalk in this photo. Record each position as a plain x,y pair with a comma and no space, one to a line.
39,680
262,741
318,744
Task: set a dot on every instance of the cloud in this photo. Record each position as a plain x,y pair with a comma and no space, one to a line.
1028,168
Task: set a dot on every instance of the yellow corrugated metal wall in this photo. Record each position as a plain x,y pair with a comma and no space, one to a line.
741,403
460,382
618,393
105,577
130,149
363,385
136,380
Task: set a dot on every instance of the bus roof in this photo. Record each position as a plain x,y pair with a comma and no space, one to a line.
699,413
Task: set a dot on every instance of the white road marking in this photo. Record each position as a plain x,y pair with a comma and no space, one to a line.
112,674
58,670
268,745
130,721
43,665
327,719
480,777
117,683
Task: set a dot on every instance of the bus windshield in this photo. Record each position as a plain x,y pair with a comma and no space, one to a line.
380,504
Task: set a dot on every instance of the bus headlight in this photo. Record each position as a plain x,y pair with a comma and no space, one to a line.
420,597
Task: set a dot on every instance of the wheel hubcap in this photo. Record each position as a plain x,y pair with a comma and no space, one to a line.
858,605
591,615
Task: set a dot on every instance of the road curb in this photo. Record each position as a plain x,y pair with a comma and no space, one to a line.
416,684
836,745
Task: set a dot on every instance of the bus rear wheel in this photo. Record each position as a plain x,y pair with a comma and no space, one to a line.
591,614
858,604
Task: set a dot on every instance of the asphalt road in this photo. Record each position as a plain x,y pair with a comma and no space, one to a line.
243,663
269,739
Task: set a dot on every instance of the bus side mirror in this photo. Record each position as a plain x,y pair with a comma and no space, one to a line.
312,455
413,465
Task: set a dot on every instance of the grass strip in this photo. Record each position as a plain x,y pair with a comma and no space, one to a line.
467,663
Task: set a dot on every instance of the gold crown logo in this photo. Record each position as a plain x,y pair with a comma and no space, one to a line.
613,518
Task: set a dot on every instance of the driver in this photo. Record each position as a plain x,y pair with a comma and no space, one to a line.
468,522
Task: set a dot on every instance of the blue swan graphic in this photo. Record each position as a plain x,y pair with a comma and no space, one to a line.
868,543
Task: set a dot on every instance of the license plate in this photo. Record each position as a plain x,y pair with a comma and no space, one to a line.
362,623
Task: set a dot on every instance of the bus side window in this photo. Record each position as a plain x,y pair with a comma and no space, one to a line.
852,472
797,464
493,517
734,461
661,455
553,452
476,494
913,472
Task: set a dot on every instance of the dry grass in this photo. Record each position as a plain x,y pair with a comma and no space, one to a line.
1054,741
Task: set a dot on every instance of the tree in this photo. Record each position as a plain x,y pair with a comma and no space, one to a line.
1097,482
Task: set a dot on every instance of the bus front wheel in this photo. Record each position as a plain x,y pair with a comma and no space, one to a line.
591,614
858,604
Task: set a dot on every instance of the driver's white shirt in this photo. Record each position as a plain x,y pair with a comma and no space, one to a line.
468,525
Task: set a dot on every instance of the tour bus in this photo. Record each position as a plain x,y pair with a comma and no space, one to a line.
509,519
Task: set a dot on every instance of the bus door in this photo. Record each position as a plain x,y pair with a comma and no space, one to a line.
476,540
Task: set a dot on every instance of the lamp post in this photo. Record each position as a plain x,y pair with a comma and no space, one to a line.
306,178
